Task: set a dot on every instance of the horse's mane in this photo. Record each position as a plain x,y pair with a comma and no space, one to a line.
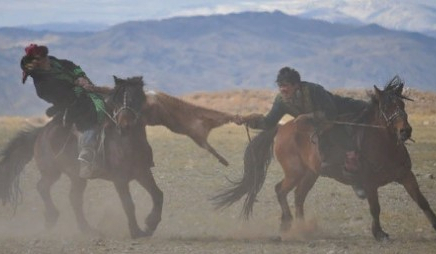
390,86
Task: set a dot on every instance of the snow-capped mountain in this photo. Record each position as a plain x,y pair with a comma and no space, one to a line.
408,15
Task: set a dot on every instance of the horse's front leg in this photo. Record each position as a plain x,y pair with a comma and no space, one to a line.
374,207
122,187
146,180
411,185
78,186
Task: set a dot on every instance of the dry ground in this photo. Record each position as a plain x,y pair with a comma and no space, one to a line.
337,222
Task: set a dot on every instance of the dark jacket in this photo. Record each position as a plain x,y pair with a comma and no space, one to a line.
57,86
310,98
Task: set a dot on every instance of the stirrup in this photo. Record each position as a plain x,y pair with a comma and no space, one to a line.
87,168
87,155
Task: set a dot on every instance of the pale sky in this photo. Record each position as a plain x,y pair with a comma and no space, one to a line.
25,12
110,12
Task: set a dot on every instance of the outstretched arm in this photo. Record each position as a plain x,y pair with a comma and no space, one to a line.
259,121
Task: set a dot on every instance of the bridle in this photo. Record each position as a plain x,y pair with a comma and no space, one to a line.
123,108
390,118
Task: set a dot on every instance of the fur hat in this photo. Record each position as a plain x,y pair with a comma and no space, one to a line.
35,50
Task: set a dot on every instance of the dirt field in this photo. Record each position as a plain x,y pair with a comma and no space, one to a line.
336,221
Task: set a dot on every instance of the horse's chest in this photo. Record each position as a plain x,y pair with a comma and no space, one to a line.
119,152
385,172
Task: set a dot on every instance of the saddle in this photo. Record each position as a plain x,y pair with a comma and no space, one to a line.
340,155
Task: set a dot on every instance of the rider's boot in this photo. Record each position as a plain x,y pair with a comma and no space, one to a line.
87,154
51,111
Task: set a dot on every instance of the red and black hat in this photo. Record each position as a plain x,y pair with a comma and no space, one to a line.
35,50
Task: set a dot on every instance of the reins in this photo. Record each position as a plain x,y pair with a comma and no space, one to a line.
124,107
357,124
248,132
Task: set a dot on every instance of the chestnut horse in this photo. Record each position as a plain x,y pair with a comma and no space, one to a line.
125,154
383,128
185,118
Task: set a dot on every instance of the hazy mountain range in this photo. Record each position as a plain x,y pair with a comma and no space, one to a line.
407,15
223,52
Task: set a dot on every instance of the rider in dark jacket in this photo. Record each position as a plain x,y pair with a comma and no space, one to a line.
66,86
298,97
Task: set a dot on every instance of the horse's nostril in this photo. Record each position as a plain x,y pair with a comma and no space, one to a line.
406,132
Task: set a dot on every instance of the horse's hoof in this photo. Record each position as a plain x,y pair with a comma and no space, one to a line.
381,236
276,239
142,234
90,231
224,162
148,232
51,219
151,223
285,226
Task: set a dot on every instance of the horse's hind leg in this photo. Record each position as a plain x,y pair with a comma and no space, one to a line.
51,213
77,190
300,193
210,149
410,184
282,189
147,181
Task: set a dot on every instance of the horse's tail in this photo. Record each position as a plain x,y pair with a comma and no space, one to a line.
14,157
257,158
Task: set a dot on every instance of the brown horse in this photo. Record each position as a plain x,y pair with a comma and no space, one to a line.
185,118
125,153
383,157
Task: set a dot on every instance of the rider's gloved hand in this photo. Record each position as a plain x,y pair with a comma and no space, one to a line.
85,83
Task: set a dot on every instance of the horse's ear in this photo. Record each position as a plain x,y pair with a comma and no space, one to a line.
116,79
376,89
140,80
399,89
377,92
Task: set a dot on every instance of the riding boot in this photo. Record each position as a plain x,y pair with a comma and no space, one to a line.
53,110
351,170
87,154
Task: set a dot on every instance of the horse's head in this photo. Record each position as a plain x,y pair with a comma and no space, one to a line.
392,109
126,101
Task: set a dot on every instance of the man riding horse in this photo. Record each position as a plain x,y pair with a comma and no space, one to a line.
66,86
298,97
